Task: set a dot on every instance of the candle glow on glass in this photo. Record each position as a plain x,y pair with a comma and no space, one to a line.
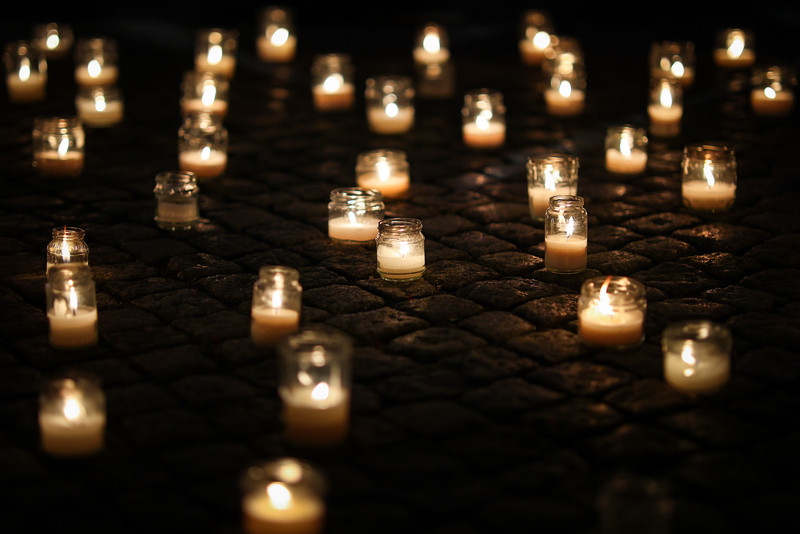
611,320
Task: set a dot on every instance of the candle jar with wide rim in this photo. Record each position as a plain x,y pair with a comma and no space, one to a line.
176,195
611,311
673,59
709,177
276,42
284,495
435,80
203,145
100,106
390,104
565,235
315,373
26,73
332,85
72,415
536,37
697,356
215,51
58,146
96,61
550,175
71,306
354,214
431,45
67,246
277,301
400,249
54,39
665,108
772,93
204,92
383,169
626,149
734,49
483,117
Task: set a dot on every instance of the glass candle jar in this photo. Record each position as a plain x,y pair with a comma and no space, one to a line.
564,56
215,51
665,108
565,95
283,495
58,146
100,107
385,170
277,300
697,356
203,145
176,195
332,82
354,214
734,48
431,45
314,385
54,39
611,312
400,249
204,92
674,59
550,175
390,104
67,246
626,149
71,306
483,119
536,37
26,73
276,41
565,235
96,62
772,94
709,177
72,415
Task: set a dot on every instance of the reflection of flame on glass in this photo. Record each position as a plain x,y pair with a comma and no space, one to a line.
72,409
431,43
205,154
277,299
541,40
403,249
333,83
770,93
214,54
25,69
321,391
565,88
665,98
392,110
383,170
100,102
52,41
736,46
708,173
603,301
279,495
279,37
63,147
351,217
94,68
209,94
570,227
678,69
687,355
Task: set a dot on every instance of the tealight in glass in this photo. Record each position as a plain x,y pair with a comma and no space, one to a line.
565,94
483,119
536,37
67,246
626,149
354,214
54,39
385,170
565,235
71,306
215,51
203,145
204,92
277,301
550,175
176,195
400,249
96,62
674,59
431,45
665,108
276,41
72,416
611,312
772,94
390,104
100,106
332,82
58,146
709,177
734,48
26,73
697,356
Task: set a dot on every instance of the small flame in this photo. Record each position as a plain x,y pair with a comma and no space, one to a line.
666,96
770,93
333,83
65,251
678,69
404,249
565,88
277,300
482,122
708,173
321,391
73,299
209,95
52,41
551,177
570,227
431,43
72,409
279,37
279,495
94,68
392,110
625,145
25,69
100,103
603,301
351,218
205,154
687,355
736,47
383,171
541,40
214,54
63,147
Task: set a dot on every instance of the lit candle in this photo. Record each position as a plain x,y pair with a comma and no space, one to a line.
611,311
205,93
277,42
95,72
60,162
400,249
67,246
483,115
316,415
334,94
565,235
431,45
536,37
735,50
390,104
204,162
696,356
216,52
626,150
54,39
564,100
665,110
176,200
772,101
58,146
71,306
709,177
354,214
384,170
72,417
26,77
484,133
673,59
99,107
550,175
275,311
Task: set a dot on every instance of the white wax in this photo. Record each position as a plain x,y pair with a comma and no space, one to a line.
564,106
425,57
51,163
270,325
780,105
380,122
633,163
699,195
310,421
107,76
89,114
343,98
211,167
539,198
73,331
219,107
493,135
267,51
33,89
723,59
305,514
665,121
619,329
706,370
394,266
531,55
565,255
361,230
394,186
226,66
65,437
177,212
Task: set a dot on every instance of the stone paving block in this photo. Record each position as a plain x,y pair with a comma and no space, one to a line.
228,246
779,282
617,212
232,289
713,426
612,237
391,291
660,248
174,362
648,397
439,309
27,321
21,263
618,262
522,235
767,329
444,225
192,267
674,310
340,298
207,459
137,398
436,252
167,427
677,280
253,262
497,212
434,418
477,243
125,318
509,395
170,305
573,418
283,234
635,441
432,343
545,471
242,217
420,383
486,363
127,290
580,377
155,251
659,224
741,298
450,275
214,327
729,472
550,346
507,293
512,263
723,265
776,365
385,323
496,326
143,339
722,237
550,312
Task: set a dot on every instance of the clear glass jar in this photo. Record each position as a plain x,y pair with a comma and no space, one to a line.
565,94
550,175
71,306
203,145
314,382
665,108
67,246
483,118
277,301
611,311
536,37
431,45
674,59
734,48
58,146
96,61
204,92
176,195
697,355
276,41
709,177
626,149
215,51
385,170
72,415
99,106
400,249
354,214
772,93
54,39
390,104
565,57
565,235
332,85
26,73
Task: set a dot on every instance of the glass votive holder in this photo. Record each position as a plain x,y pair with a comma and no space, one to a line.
550,175
204,92
772,94
709,177
71,306
26,73
58,146
385,170
54,39
277,300
203,145
354,214
626,149
400,249
536,36
176,195
283,495
734,48
67,246
565,94
96,62
674,59
611,312
390,104
215,51
665,107
72,415
435,80
332,82
100,106
483,117
314,377
697,356
565,235
431,45
276,42
564,56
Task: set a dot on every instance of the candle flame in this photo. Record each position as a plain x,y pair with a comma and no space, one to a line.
209,94
279,495
321,391
25,69
73,409
277,300
383,171
351,217
541,40
73,299
736,47
100,102
404,249
94,68
52,41
333,83
65,251
770,93
431,43
678,69
687,355
279,37
482,122
63,147
570,227
666,96
625,145
214,54
565,88
551,176
392,110
708,173
603,301
205,154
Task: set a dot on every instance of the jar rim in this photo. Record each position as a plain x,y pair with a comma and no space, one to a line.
709,151
69,232
400,224
697,330
616,285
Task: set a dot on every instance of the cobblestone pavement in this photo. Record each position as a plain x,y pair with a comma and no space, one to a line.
476,408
